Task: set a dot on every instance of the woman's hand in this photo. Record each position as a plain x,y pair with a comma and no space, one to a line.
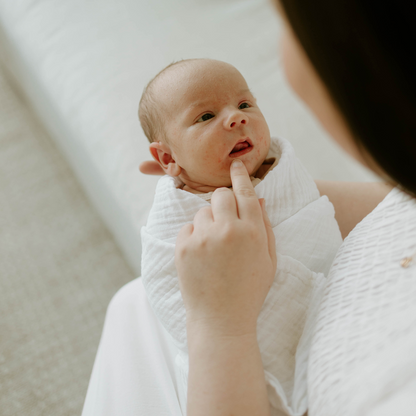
226,263
226,260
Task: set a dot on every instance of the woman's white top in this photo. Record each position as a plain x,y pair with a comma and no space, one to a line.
363,356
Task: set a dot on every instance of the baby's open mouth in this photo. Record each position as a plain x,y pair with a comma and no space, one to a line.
240,146
241,149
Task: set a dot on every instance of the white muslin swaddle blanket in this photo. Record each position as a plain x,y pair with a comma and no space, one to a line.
307,239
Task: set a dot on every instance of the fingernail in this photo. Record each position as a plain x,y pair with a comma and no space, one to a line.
236,163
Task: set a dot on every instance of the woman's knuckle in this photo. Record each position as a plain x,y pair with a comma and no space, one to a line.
181,251
245,191
202,243
228,233
251,232
201,213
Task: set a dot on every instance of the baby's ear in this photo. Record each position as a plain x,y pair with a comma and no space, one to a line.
163,155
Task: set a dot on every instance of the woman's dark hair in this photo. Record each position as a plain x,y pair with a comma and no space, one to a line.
365,53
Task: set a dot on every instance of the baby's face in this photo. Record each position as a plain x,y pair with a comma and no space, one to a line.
212,118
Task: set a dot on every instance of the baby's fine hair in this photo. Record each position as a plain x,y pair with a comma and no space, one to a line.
150,111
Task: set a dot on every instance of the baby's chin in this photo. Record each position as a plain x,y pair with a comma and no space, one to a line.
253,166
221,179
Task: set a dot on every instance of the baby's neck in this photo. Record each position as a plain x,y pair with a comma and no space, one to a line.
203,189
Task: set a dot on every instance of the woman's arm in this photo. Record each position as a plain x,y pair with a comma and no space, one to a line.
226,375
226,263
352,200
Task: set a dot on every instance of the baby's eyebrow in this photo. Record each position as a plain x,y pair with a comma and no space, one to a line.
195,104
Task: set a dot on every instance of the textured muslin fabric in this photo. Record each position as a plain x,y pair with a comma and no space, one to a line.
307,237
363,355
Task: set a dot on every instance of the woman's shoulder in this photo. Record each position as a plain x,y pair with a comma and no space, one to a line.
366,325
381,239
385,224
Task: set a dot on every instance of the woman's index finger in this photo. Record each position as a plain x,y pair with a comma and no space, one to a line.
247,202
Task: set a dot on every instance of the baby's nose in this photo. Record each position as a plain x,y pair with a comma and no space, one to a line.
235,119
242,121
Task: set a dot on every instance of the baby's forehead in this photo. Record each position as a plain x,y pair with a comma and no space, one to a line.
190,81
199,71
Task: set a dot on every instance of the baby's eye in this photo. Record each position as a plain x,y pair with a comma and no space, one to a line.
244,105
205,117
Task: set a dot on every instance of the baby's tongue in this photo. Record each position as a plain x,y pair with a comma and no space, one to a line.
240,146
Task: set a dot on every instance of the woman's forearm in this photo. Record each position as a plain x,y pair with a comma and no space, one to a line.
226,262
226,375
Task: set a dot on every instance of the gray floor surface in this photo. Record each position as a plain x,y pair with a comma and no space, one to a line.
59,268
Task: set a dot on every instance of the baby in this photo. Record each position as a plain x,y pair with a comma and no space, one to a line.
199,115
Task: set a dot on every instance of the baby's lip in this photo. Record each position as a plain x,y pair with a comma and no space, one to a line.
242,144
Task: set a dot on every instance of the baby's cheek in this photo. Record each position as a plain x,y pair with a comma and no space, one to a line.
212,161
258,150
223,150
207,160
265,142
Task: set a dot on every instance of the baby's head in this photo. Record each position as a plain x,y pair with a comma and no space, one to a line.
199,115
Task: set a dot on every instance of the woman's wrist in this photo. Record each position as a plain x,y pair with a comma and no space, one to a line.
215,341
222,327
216,337
226,374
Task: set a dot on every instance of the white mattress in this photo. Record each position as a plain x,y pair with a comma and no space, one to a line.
83,65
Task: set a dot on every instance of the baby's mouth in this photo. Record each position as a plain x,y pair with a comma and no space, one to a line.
241,148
